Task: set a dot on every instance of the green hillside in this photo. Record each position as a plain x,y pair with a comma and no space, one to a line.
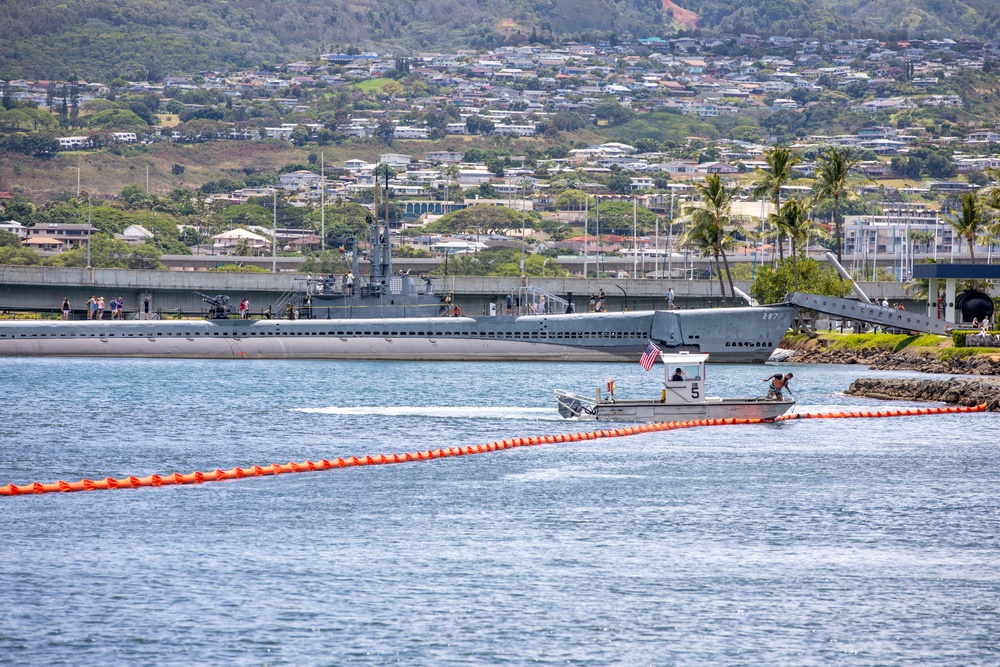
140,39
147,39
845,18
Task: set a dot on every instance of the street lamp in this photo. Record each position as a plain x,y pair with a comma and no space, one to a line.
522,230
670,245
88,229
597,233
322,203
635,237
586,223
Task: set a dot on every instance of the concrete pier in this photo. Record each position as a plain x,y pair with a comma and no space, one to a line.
42,289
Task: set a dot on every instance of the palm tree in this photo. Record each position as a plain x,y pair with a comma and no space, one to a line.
969,222
991,191
922,238
990,203
710,226
793,220
989,237
765,229
833,176
990,197
768,183
244,248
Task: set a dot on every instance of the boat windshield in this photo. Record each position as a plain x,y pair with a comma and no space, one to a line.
684,373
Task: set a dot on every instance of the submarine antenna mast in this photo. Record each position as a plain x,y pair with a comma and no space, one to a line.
387,248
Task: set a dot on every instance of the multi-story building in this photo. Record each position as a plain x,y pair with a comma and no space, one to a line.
71,234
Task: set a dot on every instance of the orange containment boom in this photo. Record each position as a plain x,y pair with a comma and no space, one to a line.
218,475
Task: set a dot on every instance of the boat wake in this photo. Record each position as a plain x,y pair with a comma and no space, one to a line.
441,412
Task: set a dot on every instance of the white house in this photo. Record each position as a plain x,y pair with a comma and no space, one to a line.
302,179
474,176
355,164
451,157
394,159
515,130
230,239
14,227
407,132
983,136
283,132
135,235
73,143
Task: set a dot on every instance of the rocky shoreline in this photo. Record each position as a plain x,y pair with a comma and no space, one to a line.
957,391
967,391
881,360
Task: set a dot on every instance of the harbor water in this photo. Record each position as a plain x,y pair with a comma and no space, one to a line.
808,542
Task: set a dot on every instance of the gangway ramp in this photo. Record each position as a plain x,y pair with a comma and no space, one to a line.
872,313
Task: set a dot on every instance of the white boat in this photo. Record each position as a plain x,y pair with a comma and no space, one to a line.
682,398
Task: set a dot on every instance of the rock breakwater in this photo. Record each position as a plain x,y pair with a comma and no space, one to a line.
957,391
910,360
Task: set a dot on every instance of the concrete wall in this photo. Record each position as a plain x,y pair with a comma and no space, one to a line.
43,288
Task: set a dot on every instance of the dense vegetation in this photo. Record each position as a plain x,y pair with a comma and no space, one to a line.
147,39
850,18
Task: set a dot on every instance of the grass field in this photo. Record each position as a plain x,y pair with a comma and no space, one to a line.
368,85
168,119
106,173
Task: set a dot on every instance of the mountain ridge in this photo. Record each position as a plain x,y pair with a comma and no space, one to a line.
836,18
147,39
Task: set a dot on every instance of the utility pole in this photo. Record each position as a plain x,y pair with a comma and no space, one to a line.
386,257
274,237
635,236
322,203
522,230
88,230
597,233
586,222
656,255
670,229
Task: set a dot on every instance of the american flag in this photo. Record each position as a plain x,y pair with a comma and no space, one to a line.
648,357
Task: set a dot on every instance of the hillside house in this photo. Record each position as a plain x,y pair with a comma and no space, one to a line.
72,234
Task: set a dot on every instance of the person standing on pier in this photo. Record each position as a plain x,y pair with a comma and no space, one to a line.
66,308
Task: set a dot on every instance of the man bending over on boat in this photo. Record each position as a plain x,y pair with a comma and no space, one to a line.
778,382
